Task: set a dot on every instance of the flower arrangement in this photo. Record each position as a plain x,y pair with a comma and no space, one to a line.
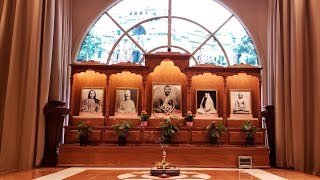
84,130
215,129
144,116
189,116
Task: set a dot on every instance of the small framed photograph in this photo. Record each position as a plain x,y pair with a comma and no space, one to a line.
91,103
207,101
126,101
166,98
240,102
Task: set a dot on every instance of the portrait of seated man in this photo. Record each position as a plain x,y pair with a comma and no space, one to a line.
241,105
126,104
167,100
206,105
90,103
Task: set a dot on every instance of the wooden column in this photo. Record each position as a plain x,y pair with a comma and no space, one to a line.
225,103
189,93
144,100
107,101
55,112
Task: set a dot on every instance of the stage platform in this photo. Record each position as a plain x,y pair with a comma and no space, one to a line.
182,155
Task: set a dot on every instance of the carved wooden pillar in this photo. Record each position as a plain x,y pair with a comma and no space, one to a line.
225,103
55,112
269,115
259,103
189,93
71,98
144,100
107,101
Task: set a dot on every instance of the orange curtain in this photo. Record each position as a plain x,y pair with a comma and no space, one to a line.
294,58
34,53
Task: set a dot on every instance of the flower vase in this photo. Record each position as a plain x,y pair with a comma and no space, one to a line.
144,123
83,140
189,124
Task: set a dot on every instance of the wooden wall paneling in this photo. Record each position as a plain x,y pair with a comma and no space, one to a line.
95,121
236,137
89,78
202,123
152,136
134,136
208,81
134,120
248,82
238,123
166,73
124,79
146,156
109,136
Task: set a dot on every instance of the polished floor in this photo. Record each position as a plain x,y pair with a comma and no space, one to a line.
95,173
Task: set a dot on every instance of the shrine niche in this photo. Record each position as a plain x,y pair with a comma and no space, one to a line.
124,81
214,86
165,87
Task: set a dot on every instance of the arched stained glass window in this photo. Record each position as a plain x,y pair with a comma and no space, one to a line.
203,28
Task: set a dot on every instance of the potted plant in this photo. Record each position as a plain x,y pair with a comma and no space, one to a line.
250,130
144,118
215,129
189,118
169,130
84,130
122,129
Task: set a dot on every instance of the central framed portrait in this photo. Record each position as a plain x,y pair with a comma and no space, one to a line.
91,103
126,101
166,98
207,102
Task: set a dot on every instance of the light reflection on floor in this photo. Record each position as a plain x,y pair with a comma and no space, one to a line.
96,173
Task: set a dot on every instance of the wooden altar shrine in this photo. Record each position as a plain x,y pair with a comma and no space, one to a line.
191,147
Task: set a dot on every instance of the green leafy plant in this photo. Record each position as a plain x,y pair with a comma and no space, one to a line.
189,116
169,130
250,130
84,129
144,116
122,128
215,129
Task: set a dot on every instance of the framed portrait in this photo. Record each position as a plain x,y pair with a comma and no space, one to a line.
126,101
166,98
240,102
91,103
207,102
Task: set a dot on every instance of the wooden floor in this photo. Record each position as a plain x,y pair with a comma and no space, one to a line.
96,173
